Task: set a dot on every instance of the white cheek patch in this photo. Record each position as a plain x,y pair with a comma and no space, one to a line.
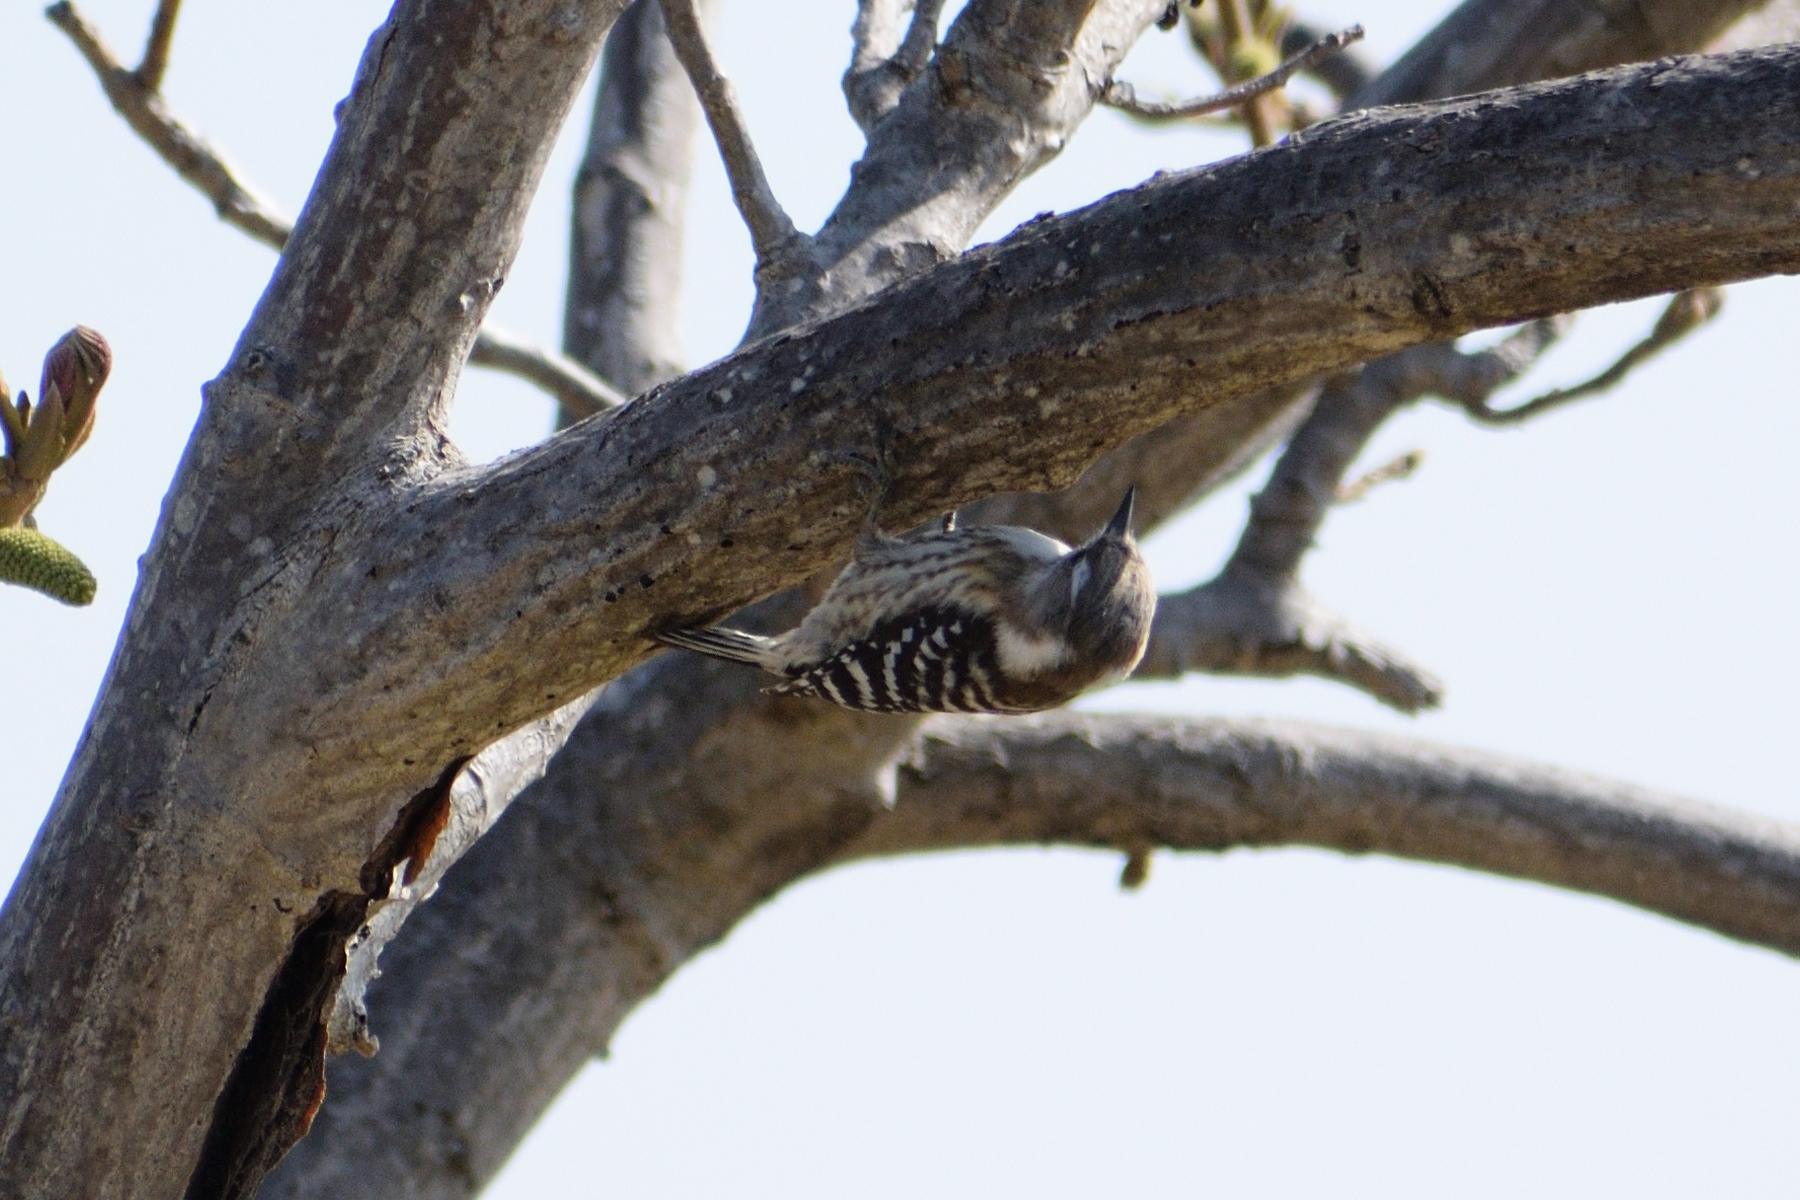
1022,656
1078,579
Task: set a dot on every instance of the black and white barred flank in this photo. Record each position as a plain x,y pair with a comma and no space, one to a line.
937,660
991,619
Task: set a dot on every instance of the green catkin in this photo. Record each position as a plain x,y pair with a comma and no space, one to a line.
30,559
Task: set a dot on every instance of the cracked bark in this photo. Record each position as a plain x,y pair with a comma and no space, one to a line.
472,1105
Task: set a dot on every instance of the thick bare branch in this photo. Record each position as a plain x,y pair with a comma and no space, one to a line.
1213,785
1331,281
605,879
1122,96
591,891
336,390
623,313
771,232
1482,44
241,206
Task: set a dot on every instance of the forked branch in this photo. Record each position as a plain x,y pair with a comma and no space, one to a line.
135,96
1685,312
156,47
883,63
1255,617
1122,96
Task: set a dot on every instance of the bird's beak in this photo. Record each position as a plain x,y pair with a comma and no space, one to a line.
1120,525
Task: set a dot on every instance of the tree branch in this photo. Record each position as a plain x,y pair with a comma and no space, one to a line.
135,96
1481,234
591,891
1001,97
579,391
1122,96
773,235
623,313
111,1073
1483,44
156,48
1342,74
1685,312
1502,43
1255,617
883,64
599,894
1213,785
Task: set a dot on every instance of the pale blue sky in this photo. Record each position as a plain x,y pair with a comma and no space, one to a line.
1610,590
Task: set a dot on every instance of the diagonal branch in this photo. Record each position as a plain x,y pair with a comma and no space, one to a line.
137,99
1647,207
579,391
773,235
1685,312
1122,96
1254,617
1341,74
135,96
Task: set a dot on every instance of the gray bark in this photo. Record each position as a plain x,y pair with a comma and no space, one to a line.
479,1042
336,612
1215,785
622,318
172,938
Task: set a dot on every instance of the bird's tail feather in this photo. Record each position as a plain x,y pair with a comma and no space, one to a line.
719,642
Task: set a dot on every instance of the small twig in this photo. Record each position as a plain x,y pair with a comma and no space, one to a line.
156,48
242,207
1122,96
1686,312
579,390
191,156
1399,468
1341,74
771,232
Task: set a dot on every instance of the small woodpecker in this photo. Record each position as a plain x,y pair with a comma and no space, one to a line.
985,619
